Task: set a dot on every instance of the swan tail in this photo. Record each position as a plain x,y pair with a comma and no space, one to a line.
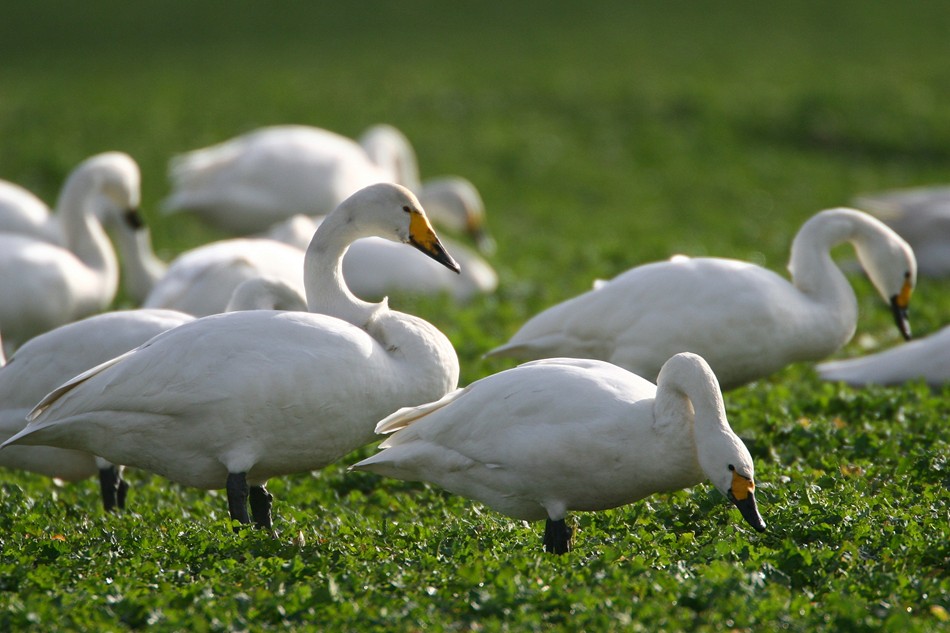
407,415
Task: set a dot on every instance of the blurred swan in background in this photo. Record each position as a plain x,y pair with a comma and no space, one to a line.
44,284
556,435
921,215
45,362
253,181
230,400
745,320
927,358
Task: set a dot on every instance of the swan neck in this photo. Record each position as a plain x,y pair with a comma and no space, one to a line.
141,269
327,292
82,230
813,270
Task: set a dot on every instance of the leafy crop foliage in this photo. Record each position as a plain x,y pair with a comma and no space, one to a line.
600,137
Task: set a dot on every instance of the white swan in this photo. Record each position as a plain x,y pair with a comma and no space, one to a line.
202,281
746,321
266,293
23,213
556,435
44,285
236,398
927,358
375,268
253,181
47,361
921,215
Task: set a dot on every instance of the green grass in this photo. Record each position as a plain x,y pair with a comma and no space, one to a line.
601,138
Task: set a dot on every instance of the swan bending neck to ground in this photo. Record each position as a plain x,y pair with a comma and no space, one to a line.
563,434
746,321
230,400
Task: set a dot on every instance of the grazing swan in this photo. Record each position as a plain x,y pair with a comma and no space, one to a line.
744,320
556,435
374,268
253,181
927,358
44,285
920,215
47,361
230,400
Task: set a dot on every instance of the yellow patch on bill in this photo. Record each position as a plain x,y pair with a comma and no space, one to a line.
741,487
903,299
420,231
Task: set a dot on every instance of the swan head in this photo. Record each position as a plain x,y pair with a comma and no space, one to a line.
454,203
891,266
113,181
727,463
392,211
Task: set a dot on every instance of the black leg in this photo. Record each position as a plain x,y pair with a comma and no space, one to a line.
109,481
237,498
122,492
260,506
557,537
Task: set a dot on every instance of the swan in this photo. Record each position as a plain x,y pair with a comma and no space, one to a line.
201,281
921,215
562,434
266,293
253,181
927,358
23,213
50,359
744,320
374,267
230,400
44,285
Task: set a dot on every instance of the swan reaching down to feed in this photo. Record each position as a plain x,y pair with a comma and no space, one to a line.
50,359
921,215
551,436
745,320
230,400
253,181
926,358
375,268
44,285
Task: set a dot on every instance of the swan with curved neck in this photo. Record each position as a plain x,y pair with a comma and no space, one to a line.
746,321
230,400
557,435
44,285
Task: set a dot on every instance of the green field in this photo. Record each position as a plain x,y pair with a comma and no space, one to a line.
600,137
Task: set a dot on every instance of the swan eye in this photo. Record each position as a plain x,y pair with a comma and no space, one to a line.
732,468
407,208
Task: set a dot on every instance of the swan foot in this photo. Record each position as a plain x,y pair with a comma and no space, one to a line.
557,537
260,506
237,498
112,487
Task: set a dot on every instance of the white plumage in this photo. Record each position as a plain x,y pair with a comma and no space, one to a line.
744,320
47,361
43,284
233,399
927,358
556,435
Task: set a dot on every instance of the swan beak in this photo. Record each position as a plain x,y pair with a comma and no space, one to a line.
423,237
133,217
484,242
899,305
742,495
